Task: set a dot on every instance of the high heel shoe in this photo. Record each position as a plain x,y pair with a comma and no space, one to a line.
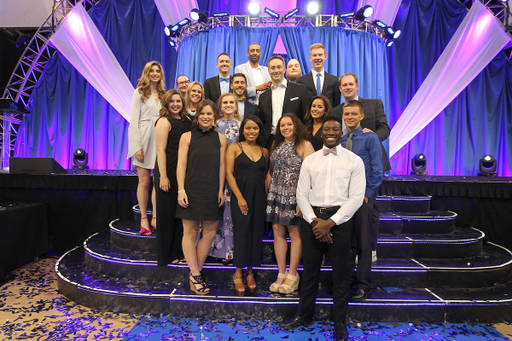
274,287
197,280
239,284
144,231
251,283
287,289
153,224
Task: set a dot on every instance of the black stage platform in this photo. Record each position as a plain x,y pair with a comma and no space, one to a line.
86,201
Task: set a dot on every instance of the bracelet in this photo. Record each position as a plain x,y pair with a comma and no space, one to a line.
163,176
182,191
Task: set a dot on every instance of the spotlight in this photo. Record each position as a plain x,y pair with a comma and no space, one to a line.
80,159
419,164
184,22
172,43
198,15
312,8
488,166
397,34
347,15
220,14
254,9
364,12
390,43
271,13
291,13
167,30
379,24
175,30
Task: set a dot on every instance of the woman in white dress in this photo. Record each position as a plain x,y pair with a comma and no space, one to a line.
141,136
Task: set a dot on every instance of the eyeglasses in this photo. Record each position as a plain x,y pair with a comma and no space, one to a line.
184,82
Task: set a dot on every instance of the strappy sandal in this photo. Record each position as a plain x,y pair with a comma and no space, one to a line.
197,280
274,287
251,283
288,289
144,231
239,284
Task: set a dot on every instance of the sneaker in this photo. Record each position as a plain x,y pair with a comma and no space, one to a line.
374,256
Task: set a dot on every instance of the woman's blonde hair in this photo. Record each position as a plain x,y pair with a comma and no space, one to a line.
189,89
236,115
144,82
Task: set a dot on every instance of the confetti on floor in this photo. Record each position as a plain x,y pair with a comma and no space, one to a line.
31,308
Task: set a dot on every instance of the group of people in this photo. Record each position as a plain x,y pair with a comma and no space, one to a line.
255,147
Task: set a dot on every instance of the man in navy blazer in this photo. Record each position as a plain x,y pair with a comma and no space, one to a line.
216,86
238,86
295,99
258,79
328,84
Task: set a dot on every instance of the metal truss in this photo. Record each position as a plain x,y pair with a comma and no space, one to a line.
31,65
267,21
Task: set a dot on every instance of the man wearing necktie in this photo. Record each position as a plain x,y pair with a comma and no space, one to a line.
368,148
238,86
330,190
216,86
318,82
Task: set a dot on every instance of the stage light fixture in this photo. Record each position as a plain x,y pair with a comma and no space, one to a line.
419,164
364,12
390,43
488,165
379,24
397,34
220,14
174,30
172,43
184,22
167,30
80,159
312,8
347,15
198,15
272,13
254,9
291,13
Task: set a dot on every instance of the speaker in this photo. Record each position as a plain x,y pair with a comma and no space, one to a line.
35,165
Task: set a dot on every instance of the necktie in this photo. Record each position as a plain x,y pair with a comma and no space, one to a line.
328,151
318,85
224,79
349,142
242,99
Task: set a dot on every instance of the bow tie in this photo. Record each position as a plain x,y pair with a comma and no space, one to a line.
224,79
328,151
242,99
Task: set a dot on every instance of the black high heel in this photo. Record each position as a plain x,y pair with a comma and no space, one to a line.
197,280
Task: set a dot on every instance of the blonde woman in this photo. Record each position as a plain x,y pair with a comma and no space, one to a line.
141,137
195,94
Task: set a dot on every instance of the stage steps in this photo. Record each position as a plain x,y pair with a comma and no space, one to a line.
451,275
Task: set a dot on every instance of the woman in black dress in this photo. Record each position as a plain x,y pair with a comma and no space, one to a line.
173,122
318,108
246,168
200,174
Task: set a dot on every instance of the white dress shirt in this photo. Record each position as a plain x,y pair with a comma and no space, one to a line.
278,93
332,180
314,73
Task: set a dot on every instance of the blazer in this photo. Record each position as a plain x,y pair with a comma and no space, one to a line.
296,101
212,89
246,69
250,109
375,120
330,89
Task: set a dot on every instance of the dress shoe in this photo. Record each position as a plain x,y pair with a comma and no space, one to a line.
360,294
296,322
340,332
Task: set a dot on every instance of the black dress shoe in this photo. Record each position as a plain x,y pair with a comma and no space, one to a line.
360,294
340,332
295,322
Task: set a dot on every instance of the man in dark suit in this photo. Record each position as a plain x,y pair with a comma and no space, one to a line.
238,84
218,85
282,97
374,121
319,82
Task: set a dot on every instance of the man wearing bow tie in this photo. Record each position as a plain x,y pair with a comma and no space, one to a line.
216,86
330,190
238,84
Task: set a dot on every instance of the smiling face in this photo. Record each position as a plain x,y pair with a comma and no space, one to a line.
317,108
331,133
224,65
317,58
287,128
175,105
254,53
228,105
183,83
348,87
251,131
196,93
352,117
276,70
205,118
239,85
293,70
155,74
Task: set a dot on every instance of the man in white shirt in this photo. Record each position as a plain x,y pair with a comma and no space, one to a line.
330,190
258,79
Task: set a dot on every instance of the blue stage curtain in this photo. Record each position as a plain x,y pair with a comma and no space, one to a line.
477,122
68,113
197,55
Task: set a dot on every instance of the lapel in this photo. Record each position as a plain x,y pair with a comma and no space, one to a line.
287,96
217,86
248,73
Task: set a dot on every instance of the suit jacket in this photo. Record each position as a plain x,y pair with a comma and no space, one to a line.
246,69
250,109
296,101
375,120
330,89
212,89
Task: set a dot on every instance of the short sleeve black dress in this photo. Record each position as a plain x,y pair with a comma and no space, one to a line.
169,230
202,177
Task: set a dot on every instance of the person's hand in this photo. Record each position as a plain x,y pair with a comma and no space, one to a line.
326,239
323,229
165,184
140,156
264,86
366,130
221,198
365,199
183,200
297,211
243,206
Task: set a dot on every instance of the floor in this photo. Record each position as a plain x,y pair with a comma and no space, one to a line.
31,308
